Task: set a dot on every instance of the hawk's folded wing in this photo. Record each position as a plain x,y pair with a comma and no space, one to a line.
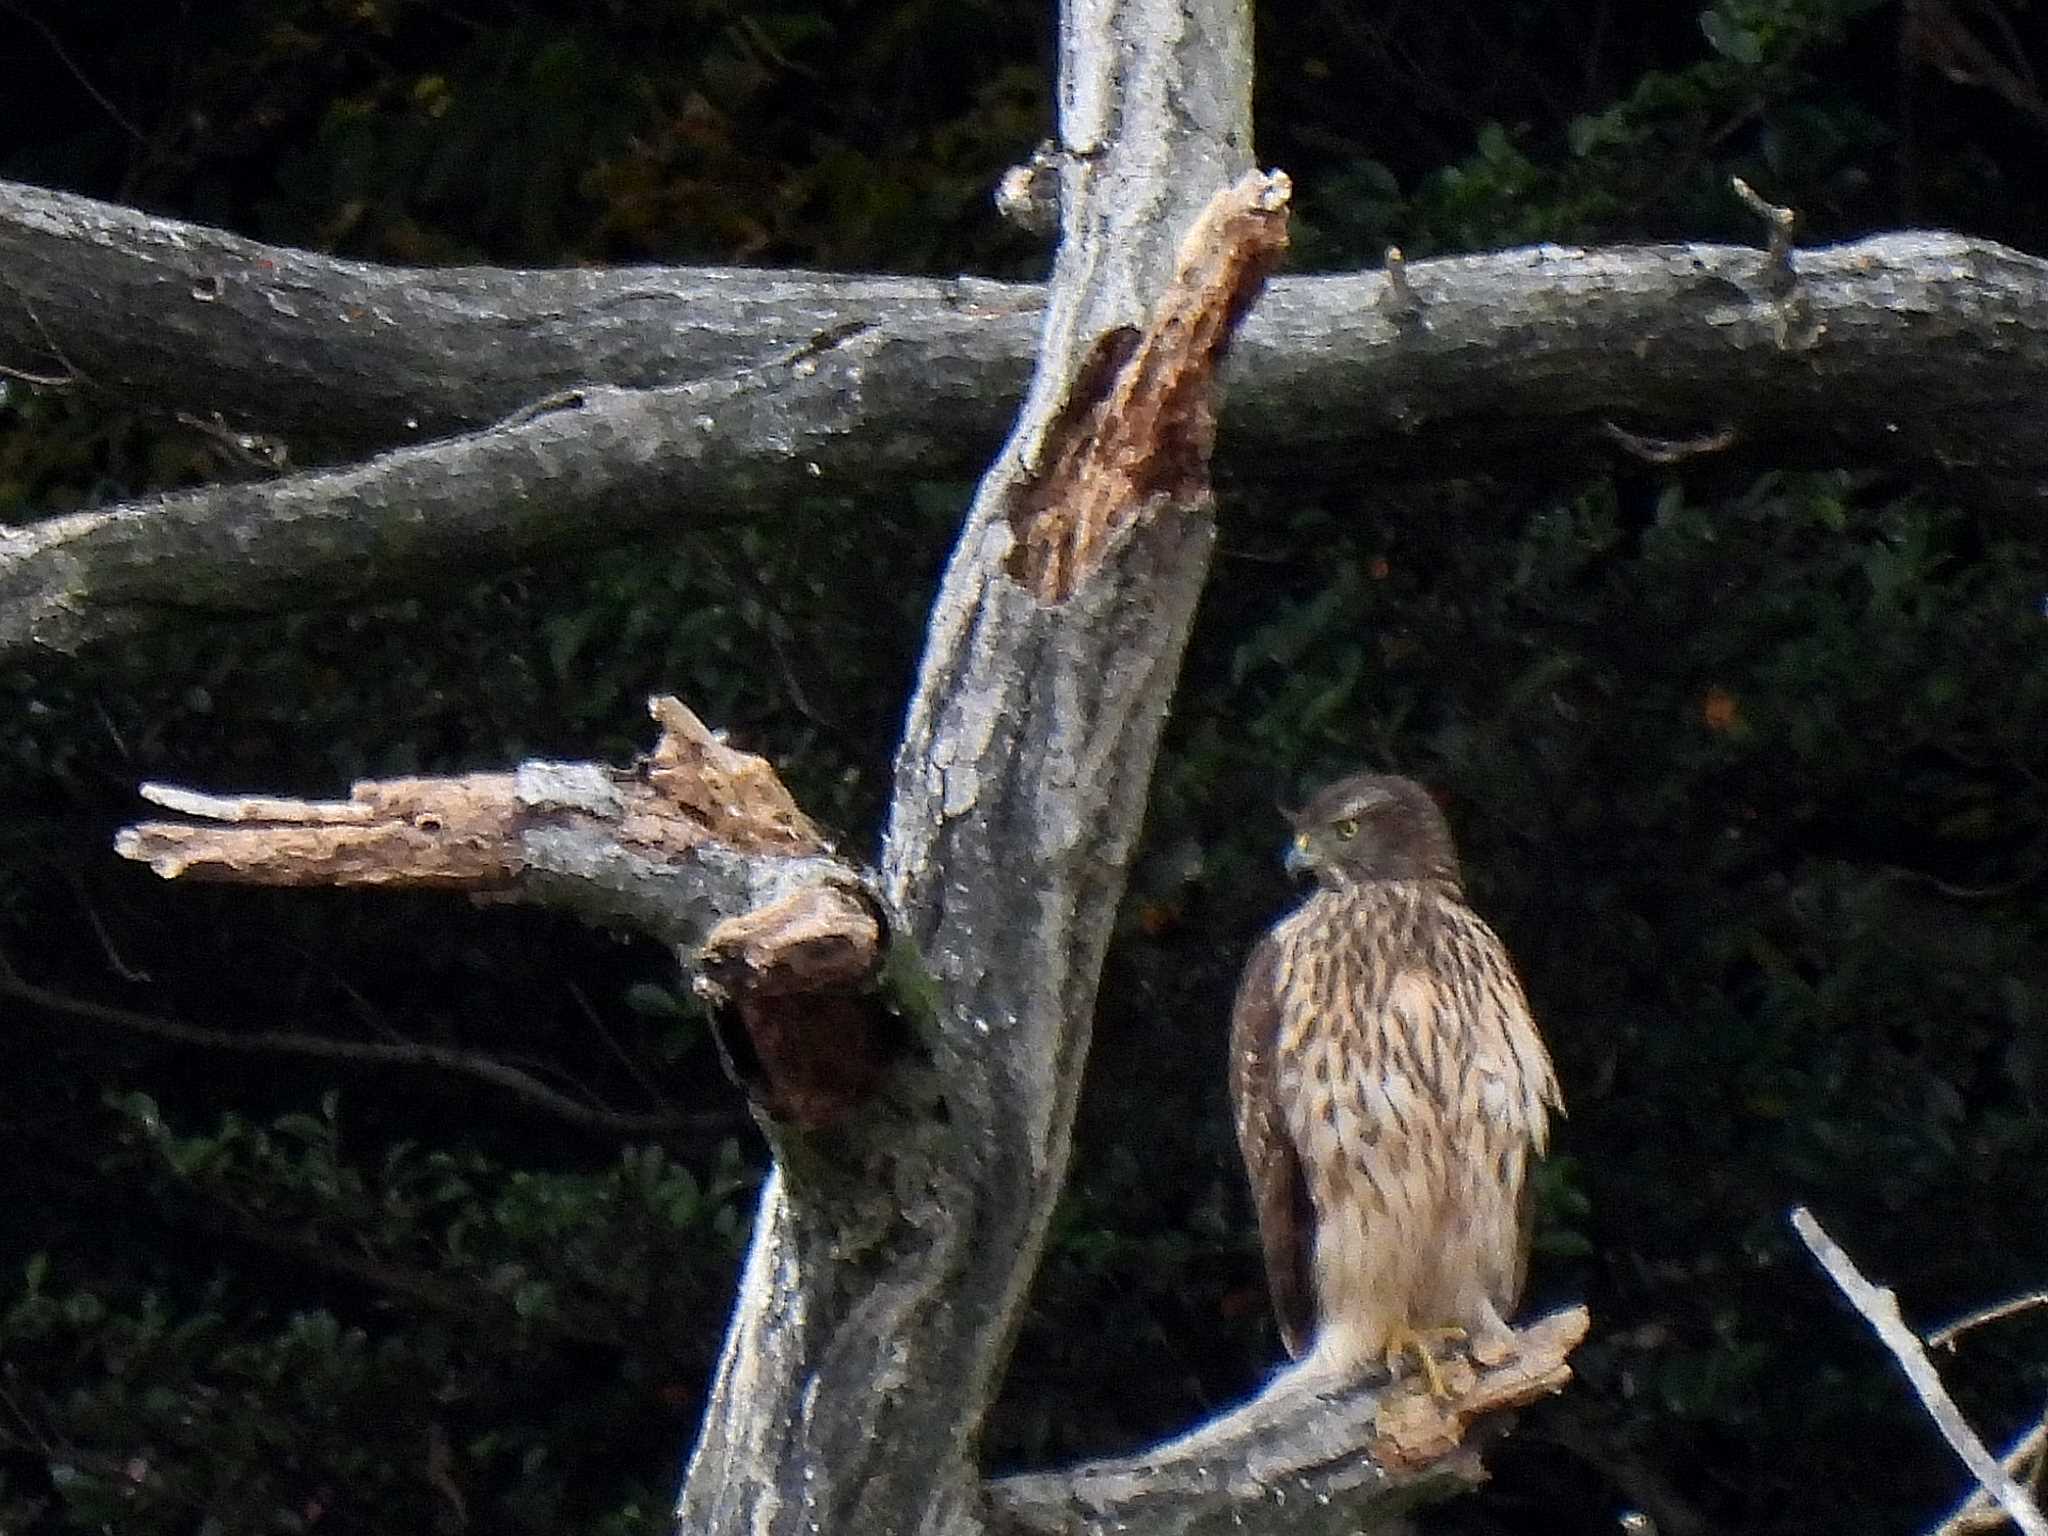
1279,1191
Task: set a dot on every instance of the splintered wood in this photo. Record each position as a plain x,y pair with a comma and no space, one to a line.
736,796
467,832
1139,422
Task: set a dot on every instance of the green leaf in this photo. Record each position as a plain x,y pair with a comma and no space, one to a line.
1730,39
654,1001
533,1297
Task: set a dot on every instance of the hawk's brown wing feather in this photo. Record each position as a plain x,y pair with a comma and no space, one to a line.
1508,1117
1279,1190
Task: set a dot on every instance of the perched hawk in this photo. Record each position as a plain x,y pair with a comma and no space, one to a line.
1390,1092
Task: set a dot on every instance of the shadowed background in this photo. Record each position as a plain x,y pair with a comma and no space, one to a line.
1747,769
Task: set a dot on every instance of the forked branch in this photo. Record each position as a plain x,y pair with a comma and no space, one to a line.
1880,1308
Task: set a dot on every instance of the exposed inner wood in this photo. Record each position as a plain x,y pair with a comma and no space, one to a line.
1414,1429
1139,424
735,795
468,832
796,976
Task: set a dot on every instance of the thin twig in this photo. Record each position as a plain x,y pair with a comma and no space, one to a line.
1946,1335
57,47
625,1057
1780,221
40,380
1881,1309
115,963
489,1069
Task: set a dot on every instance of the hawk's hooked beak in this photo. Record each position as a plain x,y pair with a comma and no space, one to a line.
1296,858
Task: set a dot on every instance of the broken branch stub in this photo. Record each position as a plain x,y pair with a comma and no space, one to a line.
798,977
698,844
1139,422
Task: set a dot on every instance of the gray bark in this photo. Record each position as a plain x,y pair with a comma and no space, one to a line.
1511,350
1925,352
342,358
888,1271
601,466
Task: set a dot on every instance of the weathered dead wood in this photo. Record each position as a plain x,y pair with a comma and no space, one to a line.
814,1038
1297,1459
1529,363
698,844
1139,422
1488,361
890,1261
475,832
597,465
340,358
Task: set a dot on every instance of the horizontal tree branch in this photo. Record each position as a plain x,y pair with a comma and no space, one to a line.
694,834
1921,349
341,358
1296,1460
601,466
697,844
1926,351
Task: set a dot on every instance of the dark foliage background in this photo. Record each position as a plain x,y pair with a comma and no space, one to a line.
1751,772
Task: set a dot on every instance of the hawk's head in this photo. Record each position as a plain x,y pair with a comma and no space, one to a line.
1372,827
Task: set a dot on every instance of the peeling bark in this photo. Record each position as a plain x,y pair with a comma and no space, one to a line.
696,834
1139,421
814,1037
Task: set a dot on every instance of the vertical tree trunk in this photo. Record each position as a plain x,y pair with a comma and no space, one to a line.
891,1255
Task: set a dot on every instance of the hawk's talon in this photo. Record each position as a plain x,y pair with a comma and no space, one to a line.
1422,1344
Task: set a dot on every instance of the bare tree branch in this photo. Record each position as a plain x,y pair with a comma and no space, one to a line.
1946,1335
609,465
1516,349
697,844
2023,1463
1295,1460
345,357
1880,1308
1525,360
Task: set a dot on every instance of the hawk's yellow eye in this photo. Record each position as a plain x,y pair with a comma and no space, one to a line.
1346,829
